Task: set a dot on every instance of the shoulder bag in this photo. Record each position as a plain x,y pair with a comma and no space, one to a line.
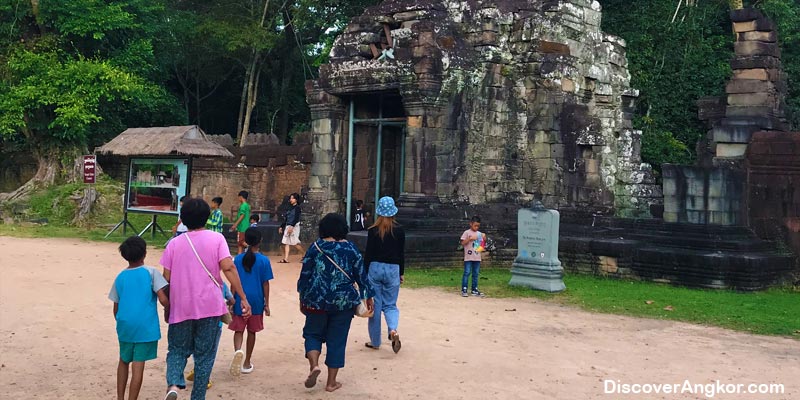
361,309
227,317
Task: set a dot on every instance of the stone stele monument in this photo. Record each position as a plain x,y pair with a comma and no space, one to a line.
537,265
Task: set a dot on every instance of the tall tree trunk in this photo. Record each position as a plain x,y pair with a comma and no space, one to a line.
240,139
35,10
286,75
198,100
250,88
47,169
252,97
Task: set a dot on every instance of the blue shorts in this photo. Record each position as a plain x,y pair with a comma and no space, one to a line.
137,352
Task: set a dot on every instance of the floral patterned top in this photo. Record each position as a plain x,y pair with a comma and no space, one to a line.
322,286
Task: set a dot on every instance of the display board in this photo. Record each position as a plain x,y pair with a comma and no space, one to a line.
156,184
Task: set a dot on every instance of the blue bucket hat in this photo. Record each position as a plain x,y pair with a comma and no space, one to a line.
386,207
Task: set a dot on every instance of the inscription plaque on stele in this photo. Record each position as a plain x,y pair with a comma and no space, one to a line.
536,265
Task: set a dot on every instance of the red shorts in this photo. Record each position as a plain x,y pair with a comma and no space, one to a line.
253,324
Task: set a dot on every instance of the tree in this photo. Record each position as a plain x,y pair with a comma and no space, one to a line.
266,46
74,73
678,52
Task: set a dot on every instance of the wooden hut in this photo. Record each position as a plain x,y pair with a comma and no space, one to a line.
163,141
159,168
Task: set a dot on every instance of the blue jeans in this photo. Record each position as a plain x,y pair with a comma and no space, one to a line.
198,338
330,328
385,281
473,267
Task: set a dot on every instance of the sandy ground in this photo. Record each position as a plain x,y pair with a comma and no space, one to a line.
57,341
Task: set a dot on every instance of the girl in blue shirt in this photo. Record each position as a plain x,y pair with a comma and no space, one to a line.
255,273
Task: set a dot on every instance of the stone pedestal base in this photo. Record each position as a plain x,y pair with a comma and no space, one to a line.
548,277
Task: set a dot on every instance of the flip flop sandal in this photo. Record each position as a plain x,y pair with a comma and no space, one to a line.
248,370
236,363
396,342
283,262
370,346
171,395
312,378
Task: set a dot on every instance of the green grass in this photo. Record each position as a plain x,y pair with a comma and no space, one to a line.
771,312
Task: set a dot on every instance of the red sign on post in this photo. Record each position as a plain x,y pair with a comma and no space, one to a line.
89,168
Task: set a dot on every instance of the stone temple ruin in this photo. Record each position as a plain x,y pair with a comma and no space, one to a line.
479,102
478,107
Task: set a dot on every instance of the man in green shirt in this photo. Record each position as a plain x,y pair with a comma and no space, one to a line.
242,220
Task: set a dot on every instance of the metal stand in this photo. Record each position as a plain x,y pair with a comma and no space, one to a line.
124,224
152,226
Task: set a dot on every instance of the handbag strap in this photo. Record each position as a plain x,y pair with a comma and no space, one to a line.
201,261
334,262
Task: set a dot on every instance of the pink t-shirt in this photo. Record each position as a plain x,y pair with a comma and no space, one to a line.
192,293
471,249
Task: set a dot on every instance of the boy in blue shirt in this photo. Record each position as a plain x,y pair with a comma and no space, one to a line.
134,294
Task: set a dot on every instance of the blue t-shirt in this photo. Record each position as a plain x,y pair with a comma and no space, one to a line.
135,292
253,283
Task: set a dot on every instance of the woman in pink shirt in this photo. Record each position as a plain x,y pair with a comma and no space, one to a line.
193,263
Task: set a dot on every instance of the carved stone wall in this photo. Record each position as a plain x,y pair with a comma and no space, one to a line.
773,187
504,100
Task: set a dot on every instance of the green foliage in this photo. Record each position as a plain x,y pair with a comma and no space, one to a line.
72,70
673,63
660,147
90,18
680,53
773,312
66,95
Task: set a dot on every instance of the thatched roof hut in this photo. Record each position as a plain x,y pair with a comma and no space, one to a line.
163,141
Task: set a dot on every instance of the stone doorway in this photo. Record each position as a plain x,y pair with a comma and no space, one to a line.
376,149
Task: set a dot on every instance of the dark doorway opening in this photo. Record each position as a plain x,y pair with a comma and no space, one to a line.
376,149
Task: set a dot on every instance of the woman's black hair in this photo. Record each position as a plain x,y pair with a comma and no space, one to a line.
334,226
133,249
296,197
252,236
194,213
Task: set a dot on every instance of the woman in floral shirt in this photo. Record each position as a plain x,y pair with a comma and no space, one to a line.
328,298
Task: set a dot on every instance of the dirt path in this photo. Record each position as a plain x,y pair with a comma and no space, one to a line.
57,341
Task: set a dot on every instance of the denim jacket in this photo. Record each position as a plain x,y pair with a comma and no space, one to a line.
322,286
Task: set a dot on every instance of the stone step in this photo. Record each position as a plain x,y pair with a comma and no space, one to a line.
706,256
